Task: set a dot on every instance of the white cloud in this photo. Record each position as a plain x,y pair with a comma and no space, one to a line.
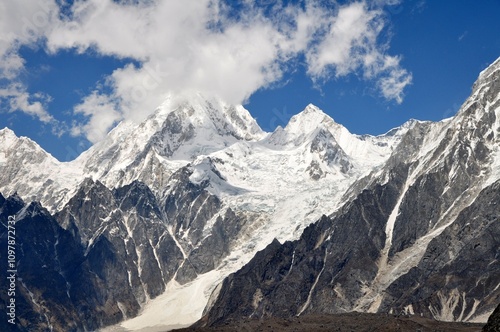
103,116
350,37
22,23
393,84
351,44
196,45
18,99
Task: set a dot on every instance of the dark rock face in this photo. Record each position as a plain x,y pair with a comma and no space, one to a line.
460,266
55,287
493,324
324,271
209,253
121,232
176,130
327,270
188,208
107,251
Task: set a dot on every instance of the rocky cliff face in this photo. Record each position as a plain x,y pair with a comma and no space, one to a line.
58,286
493,324
107,252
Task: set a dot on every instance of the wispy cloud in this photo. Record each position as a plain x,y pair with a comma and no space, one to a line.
419,7
462,36
204,45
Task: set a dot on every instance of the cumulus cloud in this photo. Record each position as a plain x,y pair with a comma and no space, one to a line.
393,84
351,37
351,44
15,98
204,45
22,23
101,110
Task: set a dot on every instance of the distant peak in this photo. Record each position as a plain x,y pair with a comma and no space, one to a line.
311,112
7,132
490,69
8,138
306,125
311,108
487,74
309,119
398,131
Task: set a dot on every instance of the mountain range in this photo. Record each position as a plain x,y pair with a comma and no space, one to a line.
198,214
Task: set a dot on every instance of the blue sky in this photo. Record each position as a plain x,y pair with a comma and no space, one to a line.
67,78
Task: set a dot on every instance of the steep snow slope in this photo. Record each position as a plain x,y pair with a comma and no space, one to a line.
181,129
34,174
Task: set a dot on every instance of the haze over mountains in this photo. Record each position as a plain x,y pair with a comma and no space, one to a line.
197,211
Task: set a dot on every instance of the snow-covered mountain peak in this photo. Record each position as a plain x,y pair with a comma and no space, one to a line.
312,109
303,127
11,142
308,120
7,135
16,151
199,125
478,115
488,79
211,113
188,118
32,172
312,126
180,130
486,73
7,139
